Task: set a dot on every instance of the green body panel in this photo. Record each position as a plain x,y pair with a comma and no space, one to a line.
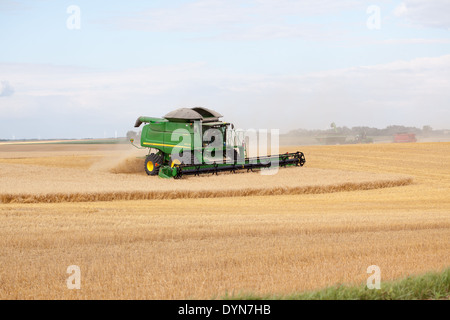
167,172
162,134
165,135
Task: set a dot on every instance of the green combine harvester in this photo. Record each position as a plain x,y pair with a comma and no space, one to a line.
193,141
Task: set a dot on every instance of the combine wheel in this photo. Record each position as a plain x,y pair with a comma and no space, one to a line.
152,164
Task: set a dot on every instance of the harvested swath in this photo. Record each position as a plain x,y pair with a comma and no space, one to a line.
185,194
76,185
107,158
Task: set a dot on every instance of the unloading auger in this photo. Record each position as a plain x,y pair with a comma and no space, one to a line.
193,141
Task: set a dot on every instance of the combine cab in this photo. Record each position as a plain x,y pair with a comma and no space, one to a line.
194,141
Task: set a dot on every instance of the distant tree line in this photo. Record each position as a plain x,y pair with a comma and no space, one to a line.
388,131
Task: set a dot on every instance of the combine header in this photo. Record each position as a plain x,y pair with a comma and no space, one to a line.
194,141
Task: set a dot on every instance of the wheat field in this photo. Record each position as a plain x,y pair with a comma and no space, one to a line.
382,204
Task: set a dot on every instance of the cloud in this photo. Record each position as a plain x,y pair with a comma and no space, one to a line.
413,92
6,89
426,13
13,6
238,20
414,41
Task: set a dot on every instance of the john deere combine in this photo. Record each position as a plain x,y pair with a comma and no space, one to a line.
194,141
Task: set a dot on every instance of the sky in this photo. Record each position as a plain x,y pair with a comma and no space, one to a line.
89,69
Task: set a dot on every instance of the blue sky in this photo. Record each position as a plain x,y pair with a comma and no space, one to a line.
282,64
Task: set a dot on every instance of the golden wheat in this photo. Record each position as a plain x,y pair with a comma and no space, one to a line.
121,176
204,247
200,248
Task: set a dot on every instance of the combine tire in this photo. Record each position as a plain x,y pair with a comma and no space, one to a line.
152,164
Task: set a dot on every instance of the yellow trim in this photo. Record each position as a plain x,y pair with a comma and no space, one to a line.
150,166
165,145
174,162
